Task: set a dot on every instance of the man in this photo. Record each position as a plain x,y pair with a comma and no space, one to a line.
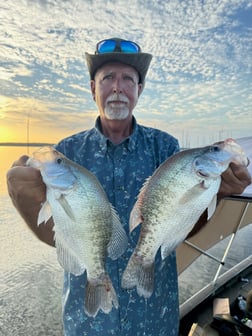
122,154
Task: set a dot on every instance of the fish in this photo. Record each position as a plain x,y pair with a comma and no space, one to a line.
170,203
87,228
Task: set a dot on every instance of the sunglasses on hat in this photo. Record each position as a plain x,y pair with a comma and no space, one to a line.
111,45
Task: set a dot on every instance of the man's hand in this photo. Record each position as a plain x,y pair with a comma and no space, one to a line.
25,184
234,180
28,192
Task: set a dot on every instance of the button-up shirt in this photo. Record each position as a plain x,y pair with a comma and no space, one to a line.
122,170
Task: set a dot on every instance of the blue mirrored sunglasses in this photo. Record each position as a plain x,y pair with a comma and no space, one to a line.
110,45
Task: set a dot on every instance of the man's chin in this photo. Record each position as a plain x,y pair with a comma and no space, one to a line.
117,115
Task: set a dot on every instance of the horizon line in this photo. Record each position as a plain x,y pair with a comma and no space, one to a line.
25,144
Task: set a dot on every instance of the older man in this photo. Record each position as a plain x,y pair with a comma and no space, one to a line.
122,154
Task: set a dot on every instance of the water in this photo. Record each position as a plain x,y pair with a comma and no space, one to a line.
203,270
31,279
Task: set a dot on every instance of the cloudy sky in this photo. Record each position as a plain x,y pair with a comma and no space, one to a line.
198,87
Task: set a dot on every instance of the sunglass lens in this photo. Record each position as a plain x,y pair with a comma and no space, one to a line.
129,47
106,46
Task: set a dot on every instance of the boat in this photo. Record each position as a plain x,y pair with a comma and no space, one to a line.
215,309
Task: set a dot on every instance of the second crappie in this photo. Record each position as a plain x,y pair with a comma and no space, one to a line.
171,202
87,228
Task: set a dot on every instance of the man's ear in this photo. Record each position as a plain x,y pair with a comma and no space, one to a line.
140,89
92,87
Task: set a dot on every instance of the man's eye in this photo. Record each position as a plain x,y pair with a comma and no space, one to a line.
107,77
128,78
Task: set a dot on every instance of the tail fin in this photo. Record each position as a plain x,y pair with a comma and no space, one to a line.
140,276
99,294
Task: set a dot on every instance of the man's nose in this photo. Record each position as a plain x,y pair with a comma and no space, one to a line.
117,86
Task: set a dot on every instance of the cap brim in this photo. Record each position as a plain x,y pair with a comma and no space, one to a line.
139,61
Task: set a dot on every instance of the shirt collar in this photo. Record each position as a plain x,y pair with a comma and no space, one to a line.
104,142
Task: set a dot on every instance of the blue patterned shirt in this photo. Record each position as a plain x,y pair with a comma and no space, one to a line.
122,170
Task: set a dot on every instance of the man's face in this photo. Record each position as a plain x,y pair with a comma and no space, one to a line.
116,90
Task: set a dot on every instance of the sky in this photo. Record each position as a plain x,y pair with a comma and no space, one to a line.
198,87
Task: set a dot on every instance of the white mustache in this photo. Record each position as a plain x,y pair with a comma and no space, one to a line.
117,97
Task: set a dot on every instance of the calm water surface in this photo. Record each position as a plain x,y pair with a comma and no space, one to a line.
31,279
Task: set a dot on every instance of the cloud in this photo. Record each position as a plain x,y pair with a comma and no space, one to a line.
200,74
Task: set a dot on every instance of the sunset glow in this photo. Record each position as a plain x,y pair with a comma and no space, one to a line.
7,134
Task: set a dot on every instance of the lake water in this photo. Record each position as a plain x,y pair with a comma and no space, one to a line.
31,279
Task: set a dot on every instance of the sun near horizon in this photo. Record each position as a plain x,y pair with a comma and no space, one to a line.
7,134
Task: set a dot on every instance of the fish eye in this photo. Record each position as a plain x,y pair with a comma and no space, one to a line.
196,162
216,149
59,161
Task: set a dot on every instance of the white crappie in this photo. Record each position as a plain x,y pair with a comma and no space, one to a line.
171,202
86,226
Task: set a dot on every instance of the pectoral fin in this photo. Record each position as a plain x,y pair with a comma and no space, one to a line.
66,207
192,193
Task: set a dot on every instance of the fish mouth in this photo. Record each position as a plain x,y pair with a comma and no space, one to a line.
31,162
233,147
